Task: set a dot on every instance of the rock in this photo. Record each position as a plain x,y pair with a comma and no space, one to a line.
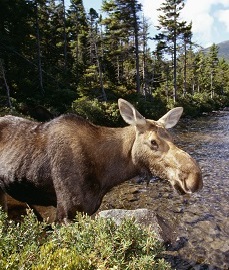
147,218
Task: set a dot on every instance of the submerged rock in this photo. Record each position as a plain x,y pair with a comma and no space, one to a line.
147,218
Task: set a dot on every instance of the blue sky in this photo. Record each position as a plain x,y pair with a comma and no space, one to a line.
210,18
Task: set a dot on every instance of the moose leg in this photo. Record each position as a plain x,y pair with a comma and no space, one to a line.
61,215
85,196
3,201
67,210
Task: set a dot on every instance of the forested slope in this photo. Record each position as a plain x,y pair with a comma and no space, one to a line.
68,59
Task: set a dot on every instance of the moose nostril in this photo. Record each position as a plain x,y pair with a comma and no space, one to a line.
195,183
191,189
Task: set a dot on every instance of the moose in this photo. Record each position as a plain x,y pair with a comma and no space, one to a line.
70,163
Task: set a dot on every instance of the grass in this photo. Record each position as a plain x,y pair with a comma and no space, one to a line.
85,244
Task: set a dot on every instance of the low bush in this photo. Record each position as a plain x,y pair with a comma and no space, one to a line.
107,113
85,244
101,113
195,105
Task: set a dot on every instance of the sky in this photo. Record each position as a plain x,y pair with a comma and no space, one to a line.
210,18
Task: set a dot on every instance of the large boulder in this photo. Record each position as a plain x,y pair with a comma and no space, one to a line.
146,218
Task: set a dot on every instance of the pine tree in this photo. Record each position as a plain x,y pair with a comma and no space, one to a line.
222,77
171,30
197,70
123,24
95,51
16,50
213,61
186,36
148,72
38,41
77,32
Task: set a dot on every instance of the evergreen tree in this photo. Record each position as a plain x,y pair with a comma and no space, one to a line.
15,47
148,71
50,55
95,48
123,23
187,37
222,77
77,33
212,64
171,29
198,68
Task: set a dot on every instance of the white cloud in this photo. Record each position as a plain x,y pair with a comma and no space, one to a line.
205,16
150,9
223,16
198,12
205,19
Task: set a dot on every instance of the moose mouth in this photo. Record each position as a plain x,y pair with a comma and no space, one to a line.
181,186
179,189
182,190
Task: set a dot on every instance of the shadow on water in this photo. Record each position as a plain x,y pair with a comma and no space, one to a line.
181,264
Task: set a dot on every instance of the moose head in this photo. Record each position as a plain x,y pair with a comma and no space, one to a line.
154,150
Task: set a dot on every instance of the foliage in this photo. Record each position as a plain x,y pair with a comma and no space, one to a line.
223,50
171,30
85,244
102,113
195,105
107,113
54,57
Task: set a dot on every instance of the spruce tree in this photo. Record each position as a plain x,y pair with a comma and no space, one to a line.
123,23
213,61
170,31
77,35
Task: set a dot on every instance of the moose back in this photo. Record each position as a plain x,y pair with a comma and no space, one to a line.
71,163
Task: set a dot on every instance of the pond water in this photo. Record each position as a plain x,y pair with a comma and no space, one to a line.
202,220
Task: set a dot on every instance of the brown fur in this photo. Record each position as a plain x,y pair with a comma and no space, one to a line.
70,163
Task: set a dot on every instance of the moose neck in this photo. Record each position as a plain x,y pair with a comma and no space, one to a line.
116,165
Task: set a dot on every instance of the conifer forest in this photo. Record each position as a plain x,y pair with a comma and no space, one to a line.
68,59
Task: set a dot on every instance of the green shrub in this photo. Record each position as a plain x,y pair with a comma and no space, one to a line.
192,106
85,244
195,105
101,113
152,108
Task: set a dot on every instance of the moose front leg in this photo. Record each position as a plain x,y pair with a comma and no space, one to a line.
3,201
66,213
78,194
67,208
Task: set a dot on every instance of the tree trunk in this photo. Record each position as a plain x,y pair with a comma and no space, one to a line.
7,87
136,49
65,37
175,67
185,70
100,73
39,51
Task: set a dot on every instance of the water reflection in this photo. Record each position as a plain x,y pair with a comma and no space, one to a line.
202,219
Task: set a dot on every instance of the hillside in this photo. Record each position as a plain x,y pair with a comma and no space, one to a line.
223,50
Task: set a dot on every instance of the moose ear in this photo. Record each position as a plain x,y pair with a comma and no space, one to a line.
129,114
171,118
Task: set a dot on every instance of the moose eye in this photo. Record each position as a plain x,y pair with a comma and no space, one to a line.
154,144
